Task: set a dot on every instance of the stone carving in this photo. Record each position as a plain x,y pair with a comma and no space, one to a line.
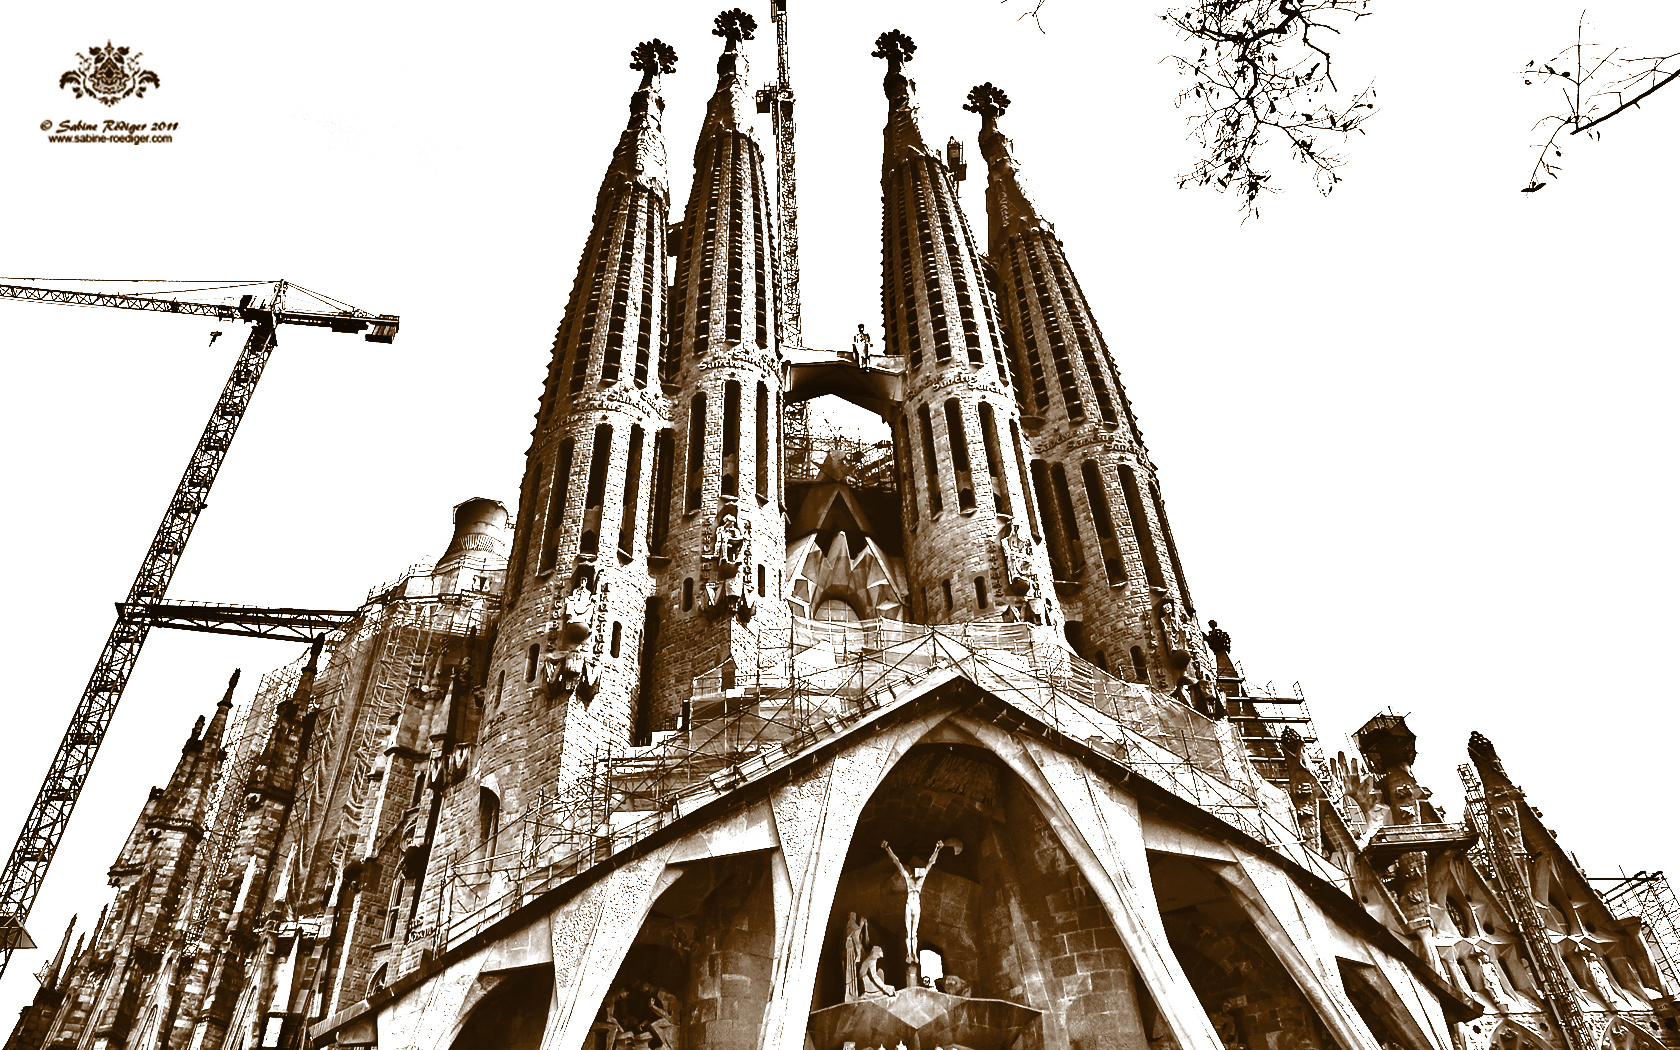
857,931
951,984
913,895
872,984
1485,977
1034,609
731,593
1017,558
569,664
640,1016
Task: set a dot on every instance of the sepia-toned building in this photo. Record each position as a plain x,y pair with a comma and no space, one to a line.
740,737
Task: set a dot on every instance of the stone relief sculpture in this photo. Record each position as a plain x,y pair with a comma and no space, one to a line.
913,895
570,663
731,592
1017,558
872,984
857,931
643,1016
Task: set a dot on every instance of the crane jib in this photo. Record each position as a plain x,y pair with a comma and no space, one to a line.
26,868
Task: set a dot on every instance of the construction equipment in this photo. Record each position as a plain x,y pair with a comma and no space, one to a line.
43,829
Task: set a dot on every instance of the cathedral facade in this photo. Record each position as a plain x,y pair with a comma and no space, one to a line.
730,742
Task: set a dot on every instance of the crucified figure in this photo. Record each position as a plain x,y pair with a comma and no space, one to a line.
913,896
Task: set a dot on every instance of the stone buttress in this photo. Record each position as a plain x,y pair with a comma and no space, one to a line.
1116,566
971,530
568,647
721,534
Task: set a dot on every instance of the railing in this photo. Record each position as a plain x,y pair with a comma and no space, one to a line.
830,676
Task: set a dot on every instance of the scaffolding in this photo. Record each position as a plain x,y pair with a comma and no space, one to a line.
247,733
743,723
1648,896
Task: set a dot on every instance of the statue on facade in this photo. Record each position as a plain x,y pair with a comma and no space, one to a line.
732,592
913,895
1174,630
577,609
857,931
1034,609
860,347
1017,558
869,977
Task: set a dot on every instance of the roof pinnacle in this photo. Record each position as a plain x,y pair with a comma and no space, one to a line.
988,100
897,48
653,58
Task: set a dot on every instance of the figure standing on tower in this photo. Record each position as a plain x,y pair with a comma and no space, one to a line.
860,347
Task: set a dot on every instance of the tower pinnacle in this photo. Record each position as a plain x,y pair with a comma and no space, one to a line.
653,58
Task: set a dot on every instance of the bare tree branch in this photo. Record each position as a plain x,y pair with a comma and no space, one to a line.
1263,78
1593,92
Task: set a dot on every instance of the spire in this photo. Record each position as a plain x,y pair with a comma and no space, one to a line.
49,976
218,721
1008,208
732,101
904,129
640,157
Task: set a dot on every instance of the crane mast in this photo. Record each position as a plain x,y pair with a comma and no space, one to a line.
43,829
777,100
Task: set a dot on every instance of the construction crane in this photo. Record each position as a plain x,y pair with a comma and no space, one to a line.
43,829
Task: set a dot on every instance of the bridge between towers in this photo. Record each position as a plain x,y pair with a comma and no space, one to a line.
875,384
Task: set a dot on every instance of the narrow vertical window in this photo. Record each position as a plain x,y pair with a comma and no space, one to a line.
1172,548
731,435
930,461
696,451
1057,538
946,586
688,594
907,479
659,522
1140,673
980,591
617,637
527,525
994,458
761,581
556,506
761,446
1113,564
1140,528
1069,520
1026,480
632,496
531,655
589,541
958,438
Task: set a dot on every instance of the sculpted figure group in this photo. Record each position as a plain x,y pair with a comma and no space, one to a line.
861,961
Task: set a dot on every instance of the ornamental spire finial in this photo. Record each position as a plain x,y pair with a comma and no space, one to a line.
988,100
653,58
734,25
896,47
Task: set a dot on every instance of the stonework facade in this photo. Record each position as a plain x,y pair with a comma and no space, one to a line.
731,745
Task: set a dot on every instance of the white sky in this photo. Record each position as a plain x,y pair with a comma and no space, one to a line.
1415,438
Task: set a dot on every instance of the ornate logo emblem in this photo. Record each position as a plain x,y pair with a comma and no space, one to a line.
109,74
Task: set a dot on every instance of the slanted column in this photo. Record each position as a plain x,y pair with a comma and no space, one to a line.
1111,548
568,647
724,543
972,540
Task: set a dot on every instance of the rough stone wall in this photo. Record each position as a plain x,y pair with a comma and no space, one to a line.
1054,944
730,967
958,425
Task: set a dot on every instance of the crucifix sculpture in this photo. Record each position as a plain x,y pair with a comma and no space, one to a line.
913,896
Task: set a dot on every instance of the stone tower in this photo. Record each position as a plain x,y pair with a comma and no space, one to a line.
1116,566
721,532
972,536
578,586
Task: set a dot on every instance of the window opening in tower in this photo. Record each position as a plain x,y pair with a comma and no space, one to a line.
632,497
930,461
958,438
559,484
595,494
